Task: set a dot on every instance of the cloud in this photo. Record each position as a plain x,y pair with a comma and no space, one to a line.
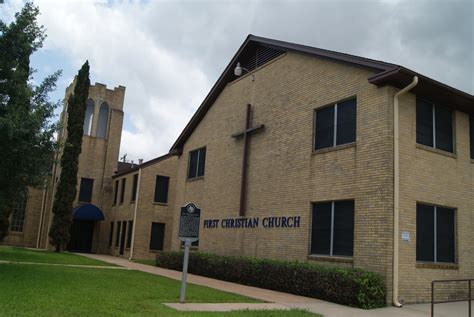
169,53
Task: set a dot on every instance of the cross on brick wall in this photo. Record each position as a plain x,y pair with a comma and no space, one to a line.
246,134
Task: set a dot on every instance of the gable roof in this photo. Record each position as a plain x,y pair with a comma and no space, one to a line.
385,74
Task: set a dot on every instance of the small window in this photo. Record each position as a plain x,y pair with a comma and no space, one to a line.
85,191
157,236
129,234
88,117
336,124
116,192
471,133
435,232
197,162
117,234
111,235
122,191
135,187
434,126
161,189
332,230
17,221
103,119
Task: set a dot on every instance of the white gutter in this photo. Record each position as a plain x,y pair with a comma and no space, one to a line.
43,200
396,194
132,244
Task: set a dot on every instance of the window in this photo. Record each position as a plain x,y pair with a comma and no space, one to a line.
111,235
103,118
333,228
135,187
336,124
471,128
122,192
157,236
116,192
129,235
117,234
435,234
88,118
161,189
85,191
17,221
197,161
434,126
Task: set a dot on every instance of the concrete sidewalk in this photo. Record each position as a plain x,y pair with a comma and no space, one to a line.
284,300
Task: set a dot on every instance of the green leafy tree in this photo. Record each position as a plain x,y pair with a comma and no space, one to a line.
66,190
26,129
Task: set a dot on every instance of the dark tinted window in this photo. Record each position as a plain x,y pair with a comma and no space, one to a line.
471,128
324,128
444,128
135,187
117,234
424,122
197,162
116,192
122,191
161,189
85,191
129,235
343,241
435,234
346,122
321,228
424,233
445,235
111,235
157,236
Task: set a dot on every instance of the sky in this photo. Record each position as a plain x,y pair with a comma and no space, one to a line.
168,54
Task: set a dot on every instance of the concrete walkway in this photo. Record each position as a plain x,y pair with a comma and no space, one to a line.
69,265
278,300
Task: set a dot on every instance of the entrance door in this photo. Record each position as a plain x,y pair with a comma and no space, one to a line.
122,237
82,232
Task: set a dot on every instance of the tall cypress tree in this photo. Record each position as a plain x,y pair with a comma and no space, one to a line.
66,190
26,129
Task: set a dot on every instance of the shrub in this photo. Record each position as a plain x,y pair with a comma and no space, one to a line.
352,287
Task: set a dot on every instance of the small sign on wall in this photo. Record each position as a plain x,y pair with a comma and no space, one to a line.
406,236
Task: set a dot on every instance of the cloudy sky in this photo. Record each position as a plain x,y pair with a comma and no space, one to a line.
168,54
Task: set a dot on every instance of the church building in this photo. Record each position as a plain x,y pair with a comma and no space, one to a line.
296,153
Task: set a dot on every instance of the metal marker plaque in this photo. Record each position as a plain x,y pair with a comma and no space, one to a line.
189,222
188,232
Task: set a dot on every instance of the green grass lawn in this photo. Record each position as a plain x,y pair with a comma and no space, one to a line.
39,256
42,290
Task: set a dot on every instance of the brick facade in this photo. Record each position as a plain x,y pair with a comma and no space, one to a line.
285,174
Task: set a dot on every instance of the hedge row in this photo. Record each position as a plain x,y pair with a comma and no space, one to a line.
352,287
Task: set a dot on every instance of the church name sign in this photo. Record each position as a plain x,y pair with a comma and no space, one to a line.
267,222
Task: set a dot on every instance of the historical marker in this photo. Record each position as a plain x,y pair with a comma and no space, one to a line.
188,232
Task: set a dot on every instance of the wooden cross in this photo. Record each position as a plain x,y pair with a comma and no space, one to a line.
246,134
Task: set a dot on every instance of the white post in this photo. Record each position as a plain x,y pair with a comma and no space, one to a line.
182,294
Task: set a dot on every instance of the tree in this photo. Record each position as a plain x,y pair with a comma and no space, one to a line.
66,190
26,129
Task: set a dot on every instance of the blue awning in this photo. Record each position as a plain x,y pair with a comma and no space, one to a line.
87,212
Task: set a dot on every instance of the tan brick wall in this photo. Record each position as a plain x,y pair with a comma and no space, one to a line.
147,210
437,179
284,175
29,236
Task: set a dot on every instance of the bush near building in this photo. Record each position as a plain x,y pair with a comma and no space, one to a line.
352,287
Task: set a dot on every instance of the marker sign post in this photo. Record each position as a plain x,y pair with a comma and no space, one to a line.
188,233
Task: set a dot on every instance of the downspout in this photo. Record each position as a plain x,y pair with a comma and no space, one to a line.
396,194
135,213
